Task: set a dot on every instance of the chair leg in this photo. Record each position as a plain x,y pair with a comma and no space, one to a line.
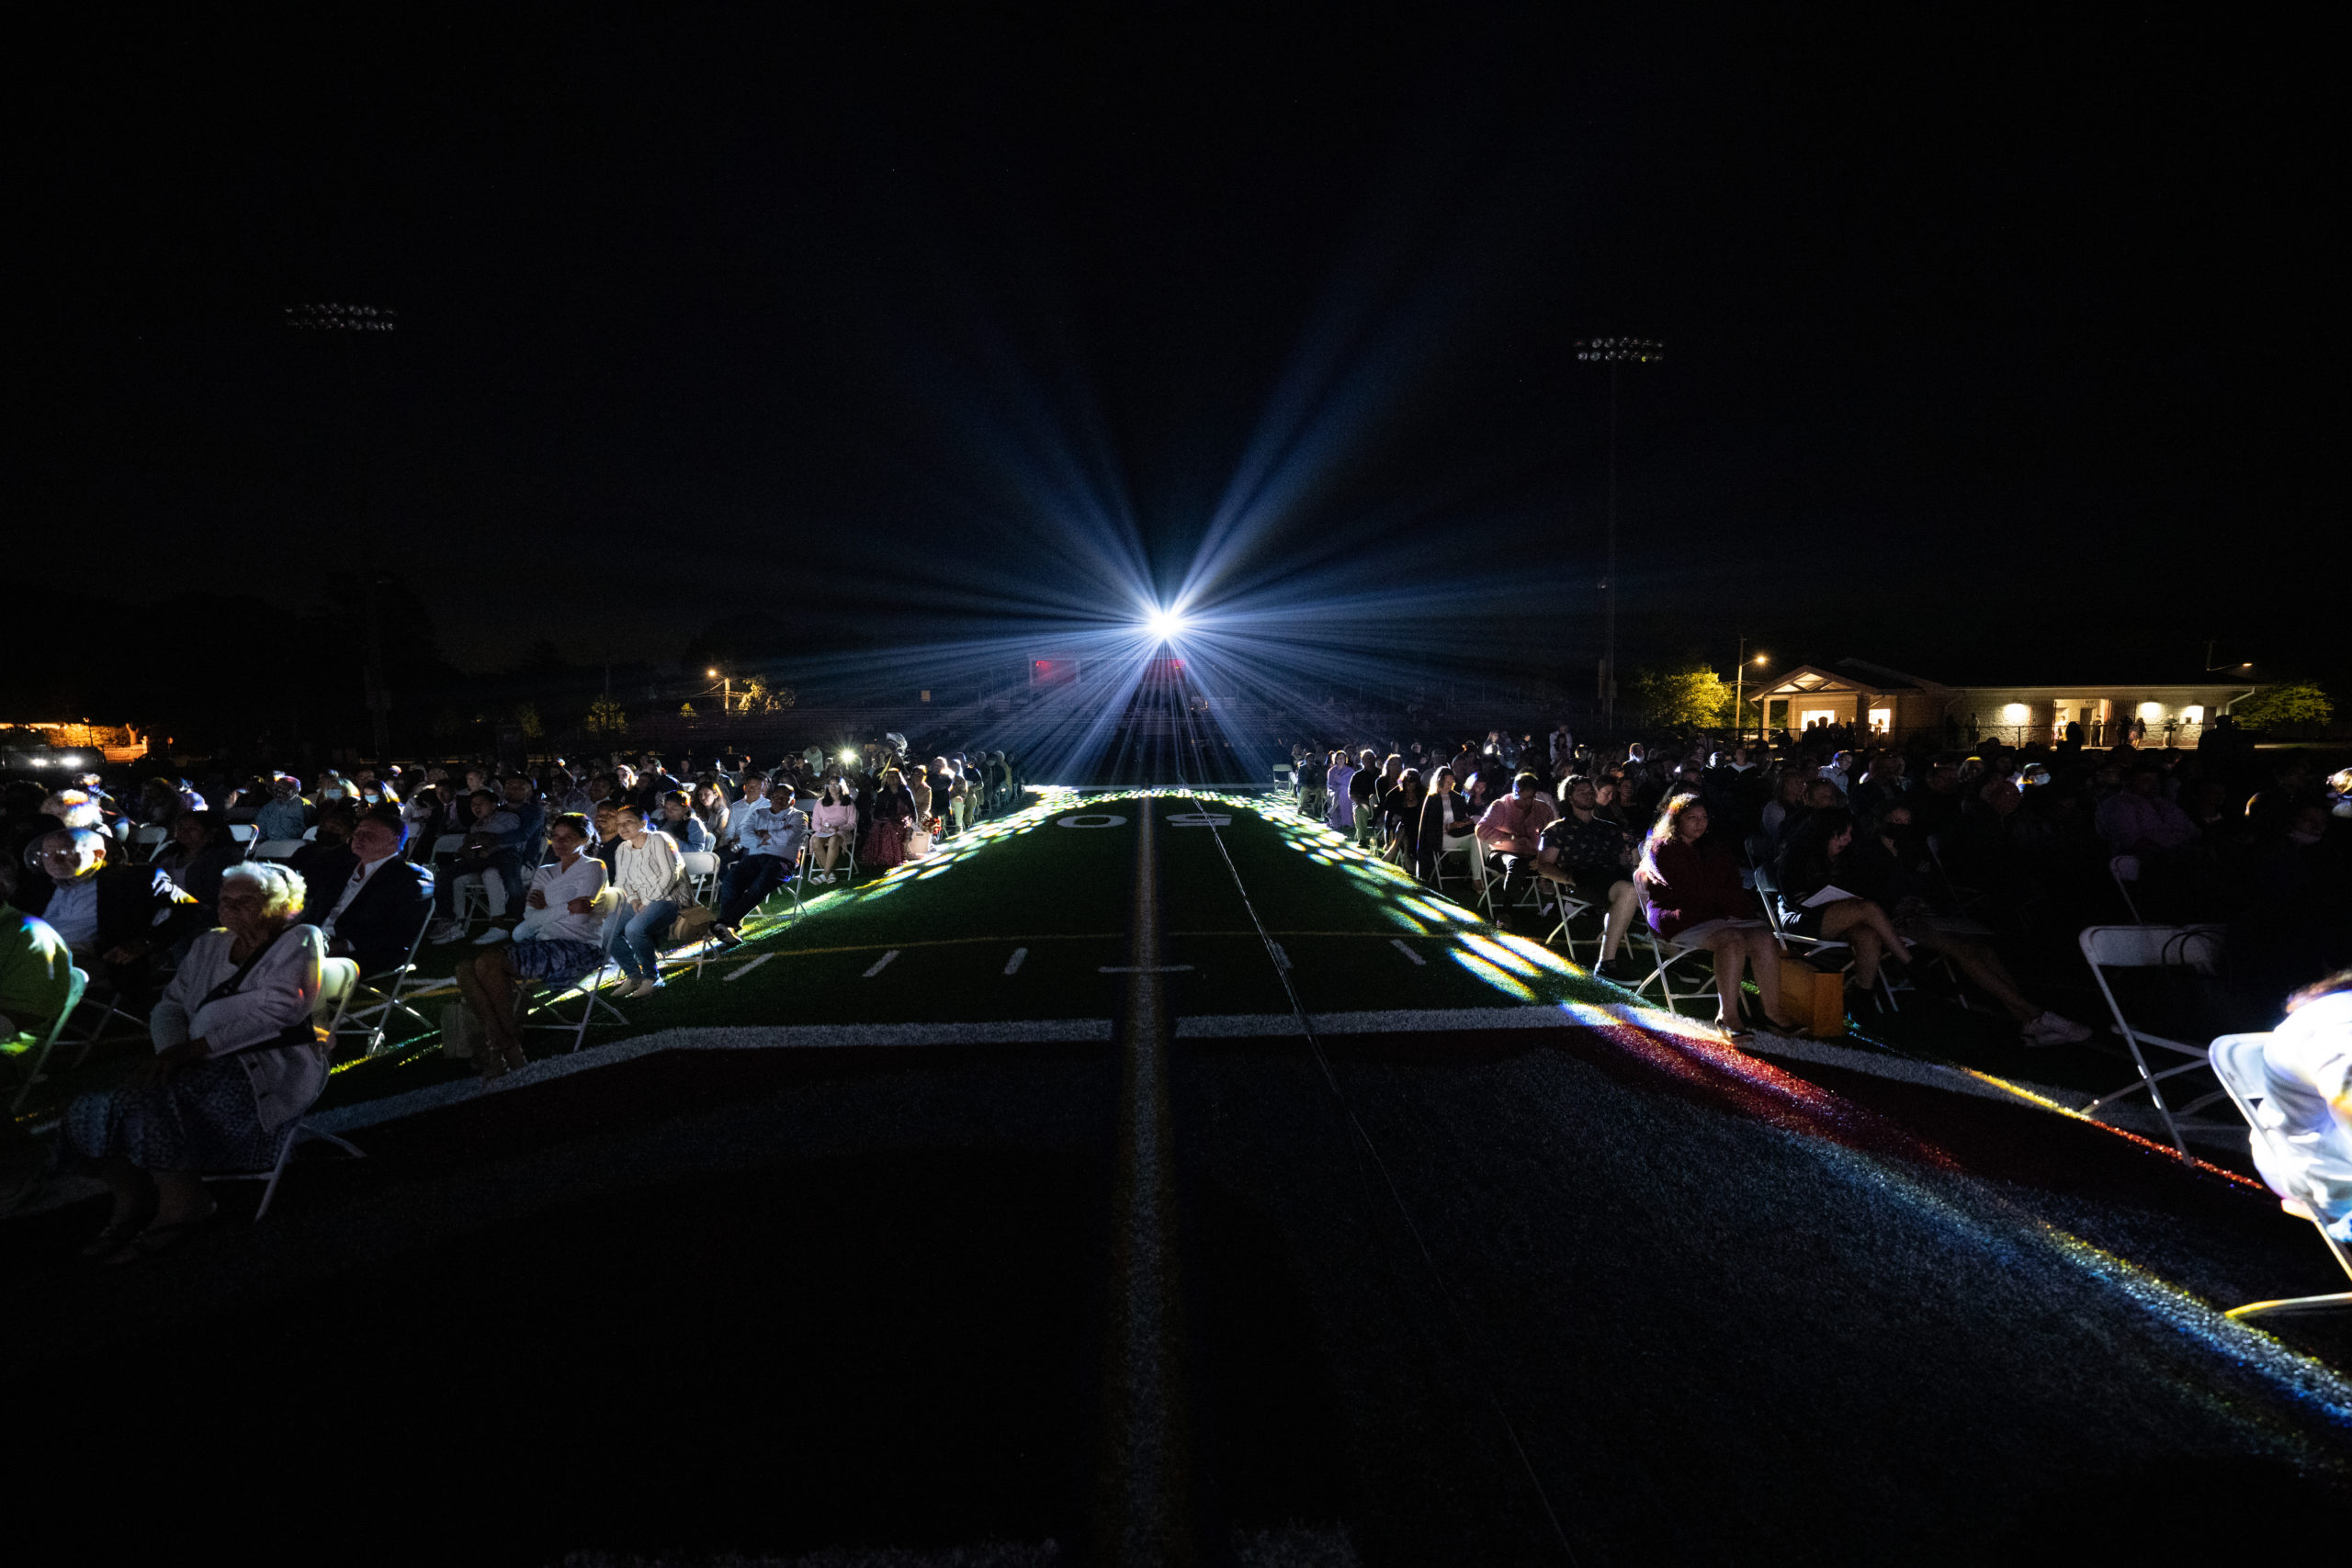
2290,1304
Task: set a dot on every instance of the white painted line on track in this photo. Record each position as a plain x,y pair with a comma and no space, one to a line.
1280,956
1012,964
1144,969
742,970
1398,943
880,964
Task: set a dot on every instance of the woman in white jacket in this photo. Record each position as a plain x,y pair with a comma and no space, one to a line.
237,1062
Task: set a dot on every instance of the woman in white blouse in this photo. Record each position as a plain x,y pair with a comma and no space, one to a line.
651,873
557,942
237,1062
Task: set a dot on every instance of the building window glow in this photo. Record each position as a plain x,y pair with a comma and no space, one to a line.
2015,713
1882,721
2151,710
2192,714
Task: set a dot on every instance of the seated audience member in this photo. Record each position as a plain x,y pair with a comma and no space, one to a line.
679,822
114,918
1780,813
421,818
159,803
1693,890
1513,827
1594,856
201,851
565,797
771,832
283,815
487,857
1400,817
237,1060
367,901
1446,823
1807,867
336,820
755,787
832,826
892,819
651,873
1366,788
519,797
2290,787
35,970
558,940
711,808
2307,1109
1891,868
2139,821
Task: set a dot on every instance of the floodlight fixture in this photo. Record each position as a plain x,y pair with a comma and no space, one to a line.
1163,625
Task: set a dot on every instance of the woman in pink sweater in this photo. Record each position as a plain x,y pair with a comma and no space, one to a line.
830,826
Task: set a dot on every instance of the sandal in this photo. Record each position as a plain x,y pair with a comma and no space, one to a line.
112,1239
154,1238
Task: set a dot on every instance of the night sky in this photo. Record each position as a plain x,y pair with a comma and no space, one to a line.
1992,351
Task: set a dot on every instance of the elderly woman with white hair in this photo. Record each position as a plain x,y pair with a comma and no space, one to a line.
237,1059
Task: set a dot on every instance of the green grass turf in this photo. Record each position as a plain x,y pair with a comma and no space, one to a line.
1064,895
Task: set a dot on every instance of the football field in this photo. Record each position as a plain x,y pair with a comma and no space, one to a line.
1151,1176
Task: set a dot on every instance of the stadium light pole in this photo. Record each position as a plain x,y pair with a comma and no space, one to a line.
1740,695
1615,352
353,322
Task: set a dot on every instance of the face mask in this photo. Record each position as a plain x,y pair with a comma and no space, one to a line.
332,794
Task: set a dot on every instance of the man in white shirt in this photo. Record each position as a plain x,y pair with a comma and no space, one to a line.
731,846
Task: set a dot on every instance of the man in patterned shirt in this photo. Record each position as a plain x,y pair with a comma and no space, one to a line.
1595,856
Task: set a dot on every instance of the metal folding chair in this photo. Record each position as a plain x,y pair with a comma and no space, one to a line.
75,987
378,997
274,848
2238,1060
1671,956
545,1006
245,833
702,875
2125,870
147,842
2196,948
337,977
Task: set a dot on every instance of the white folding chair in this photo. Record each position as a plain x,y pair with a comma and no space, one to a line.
1571,906
1672,957
147,842
2237,1061
547,1004
377,998
2125,869
74,985
310,833
702,875
337,977
245,833
274,848
2195,948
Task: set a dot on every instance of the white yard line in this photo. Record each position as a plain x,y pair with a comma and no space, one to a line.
881,963
746,968
1398,943
1012,964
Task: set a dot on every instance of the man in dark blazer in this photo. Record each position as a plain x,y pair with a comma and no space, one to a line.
369,900
116,918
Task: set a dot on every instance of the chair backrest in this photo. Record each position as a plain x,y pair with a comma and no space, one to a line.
337,977
2124,868
273,848
244,832
311,832
700,863
2153,947
448,843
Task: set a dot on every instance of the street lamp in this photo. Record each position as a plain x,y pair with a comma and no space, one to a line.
1613,352
354,321
2210,666
1739,693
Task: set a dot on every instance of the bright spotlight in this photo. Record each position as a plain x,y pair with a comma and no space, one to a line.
1164,624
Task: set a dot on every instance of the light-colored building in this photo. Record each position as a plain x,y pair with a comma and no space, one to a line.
1900,705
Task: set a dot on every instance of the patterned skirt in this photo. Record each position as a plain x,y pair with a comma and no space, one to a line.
203,1118
553,958
886,845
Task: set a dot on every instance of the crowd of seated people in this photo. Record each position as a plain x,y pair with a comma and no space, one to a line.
219,950
1894,851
